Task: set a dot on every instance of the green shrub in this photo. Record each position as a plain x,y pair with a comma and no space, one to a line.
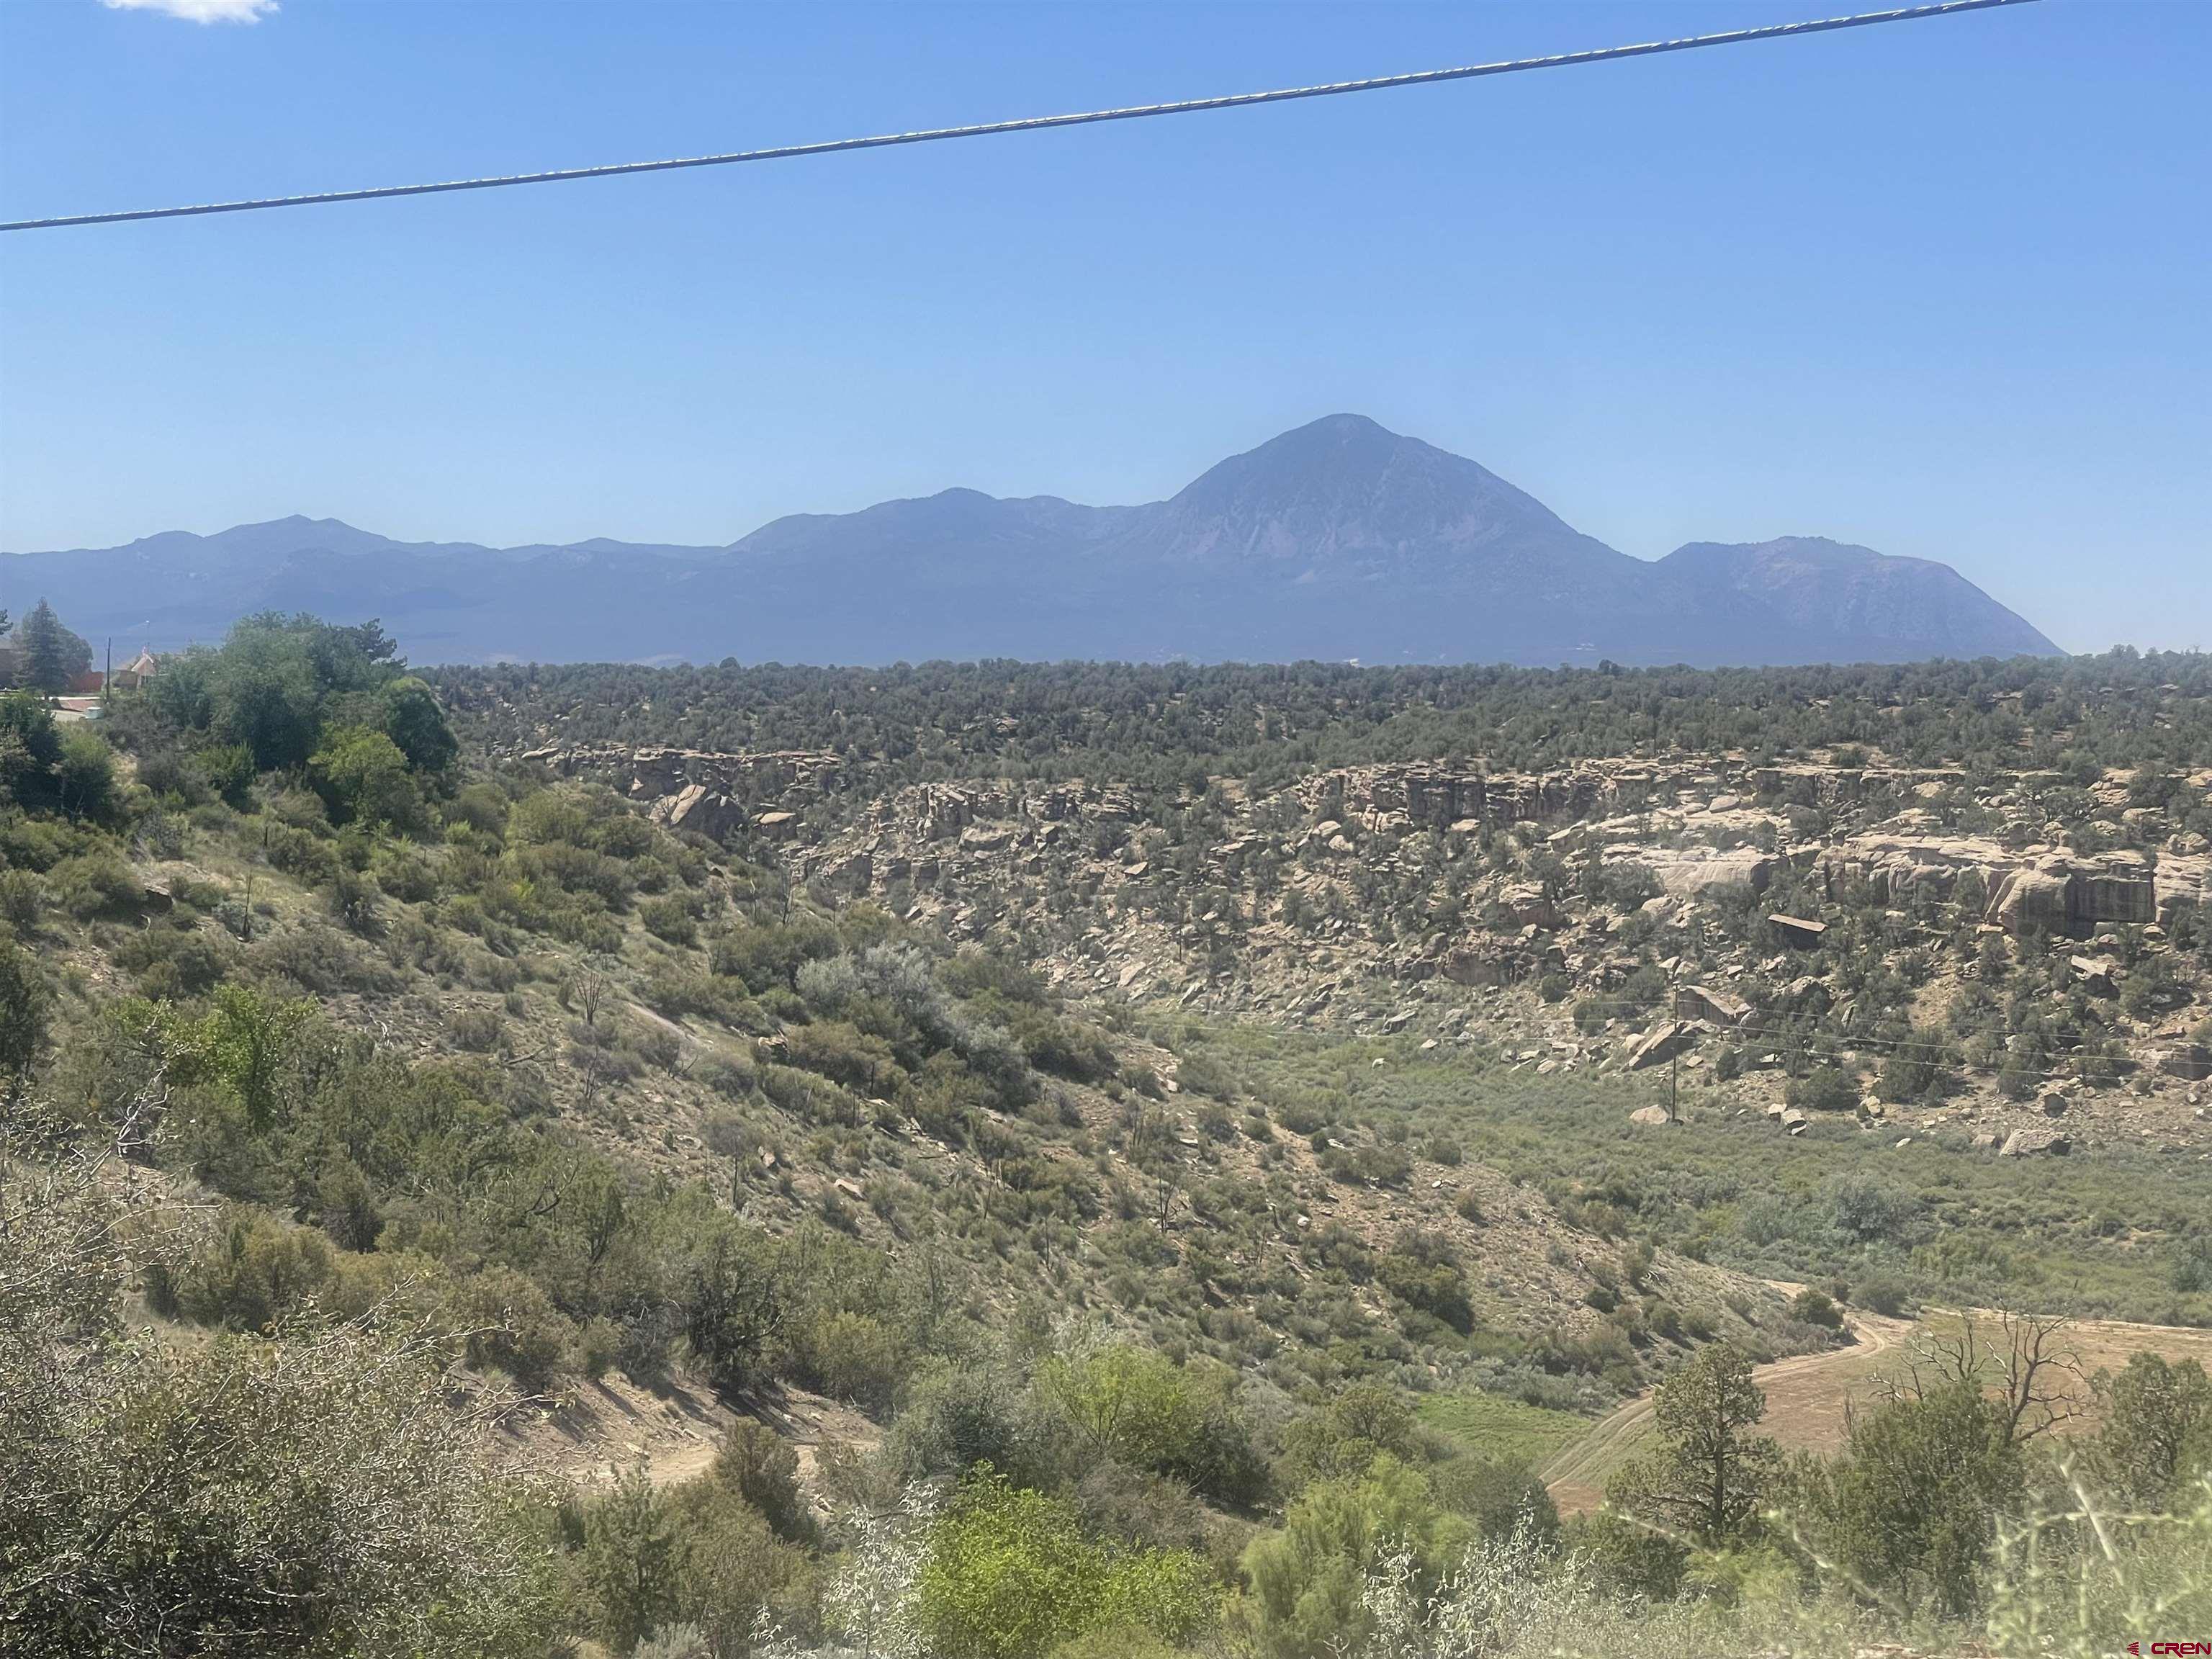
94,883
850,1356
762,1468
1816,1307
1141,1408
1825,1088
1010,1575
478,1028
669,919
23,900
1308,1580
253,1273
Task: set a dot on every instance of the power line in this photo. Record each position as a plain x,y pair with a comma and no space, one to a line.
1033,123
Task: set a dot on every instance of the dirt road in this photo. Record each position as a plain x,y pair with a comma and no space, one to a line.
1806,1397
1809,1395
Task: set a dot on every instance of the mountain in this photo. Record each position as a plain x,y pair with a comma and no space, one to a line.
1338,539
1830,591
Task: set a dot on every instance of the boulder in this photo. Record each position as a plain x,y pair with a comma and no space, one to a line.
2032,897
1688,871
2189,1061
851,874
2114,887
702,811
1705,1003
2097,974
1805,995
1530,907
2026,1142
1649,1114
1661,1042
1474,965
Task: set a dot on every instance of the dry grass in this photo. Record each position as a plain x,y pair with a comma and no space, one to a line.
1810,1397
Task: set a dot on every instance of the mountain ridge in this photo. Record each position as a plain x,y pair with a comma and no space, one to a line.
1337,539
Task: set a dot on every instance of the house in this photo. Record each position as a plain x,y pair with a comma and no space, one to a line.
86,684
1798,931
136,672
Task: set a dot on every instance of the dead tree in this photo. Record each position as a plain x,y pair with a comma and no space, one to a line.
2028,1363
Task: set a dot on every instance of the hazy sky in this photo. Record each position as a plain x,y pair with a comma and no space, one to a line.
1940,288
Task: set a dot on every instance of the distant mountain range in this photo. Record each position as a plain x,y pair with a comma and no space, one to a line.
1337,540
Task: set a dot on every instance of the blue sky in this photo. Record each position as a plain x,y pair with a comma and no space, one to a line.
1939,289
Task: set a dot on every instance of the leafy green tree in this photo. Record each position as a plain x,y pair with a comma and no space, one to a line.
1359,1424
1499,1495
732,1569
248,1045
84,776
262,693
761,1467
1140,1406
1705,1479
30,745
2157,1431
413,720
278,680
363,777
1816,1307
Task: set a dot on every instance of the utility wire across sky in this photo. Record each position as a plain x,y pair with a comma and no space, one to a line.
1038,123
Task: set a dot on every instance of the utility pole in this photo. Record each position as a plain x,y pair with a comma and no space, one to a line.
1674,1085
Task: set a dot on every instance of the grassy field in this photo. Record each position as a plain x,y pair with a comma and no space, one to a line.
1489,1425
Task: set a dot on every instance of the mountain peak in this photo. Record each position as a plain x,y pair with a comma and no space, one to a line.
1337,539
1344,495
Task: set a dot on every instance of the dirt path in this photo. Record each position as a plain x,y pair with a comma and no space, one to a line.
611,1425
1807,1395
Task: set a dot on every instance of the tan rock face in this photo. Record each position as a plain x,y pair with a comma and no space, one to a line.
1530,907
1718,1006
2057,892
1691,871
1661,1043
699,810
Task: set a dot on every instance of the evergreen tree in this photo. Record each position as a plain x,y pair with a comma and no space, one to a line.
1706,1476
1913,1504
49,655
